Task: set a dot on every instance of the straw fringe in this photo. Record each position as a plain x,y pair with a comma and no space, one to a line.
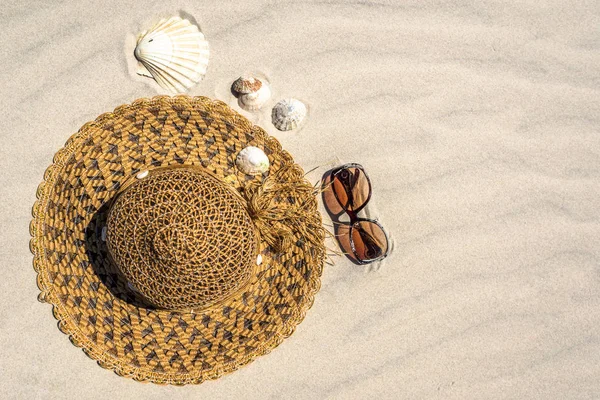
274,207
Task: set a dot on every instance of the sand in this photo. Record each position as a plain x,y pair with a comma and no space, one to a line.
478,123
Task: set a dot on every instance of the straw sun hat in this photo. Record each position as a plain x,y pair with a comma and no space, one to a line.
162,260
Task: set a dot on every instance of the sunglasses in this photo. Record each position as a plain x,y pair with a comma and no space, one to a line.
349,187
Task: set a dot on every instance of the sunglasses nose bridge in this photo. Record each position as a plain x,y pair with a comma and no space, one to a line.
353,216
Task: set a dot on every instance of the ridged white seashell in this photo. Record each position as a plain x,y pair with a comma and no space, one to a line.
252,161
246,84
288,114
255,100
174,52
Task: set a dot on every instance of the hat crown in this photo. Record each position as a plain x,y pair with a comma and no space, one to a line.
182,238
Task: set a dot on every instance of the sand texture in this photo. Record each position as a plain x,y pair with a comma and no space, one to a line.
479,125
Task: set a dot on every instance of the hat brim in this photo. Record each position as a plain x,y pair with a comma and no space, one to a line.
91,301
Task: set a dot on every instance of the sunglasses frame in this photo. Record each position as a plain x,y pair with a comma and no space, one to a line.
354,218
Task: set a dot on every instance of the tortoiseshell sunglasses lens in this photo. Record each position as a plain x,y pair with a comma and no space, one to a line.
351,187
369,241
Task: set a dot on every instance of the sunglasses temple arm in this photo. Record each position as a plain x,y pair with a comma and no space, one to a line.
329,163
311,170
323,187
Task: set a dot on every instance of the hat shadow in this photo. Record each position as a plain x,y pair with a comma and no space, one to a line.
341,229
103,265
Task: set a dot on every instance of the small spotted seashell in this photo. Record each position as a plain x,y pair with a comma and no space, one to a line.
288,114
255,100
246,84
252,161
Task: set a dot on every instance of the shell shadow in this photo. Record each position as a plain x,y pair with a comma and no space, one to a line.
104,267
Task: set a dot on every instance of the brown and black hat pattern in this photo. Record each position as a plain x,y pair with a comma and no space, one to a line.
190,270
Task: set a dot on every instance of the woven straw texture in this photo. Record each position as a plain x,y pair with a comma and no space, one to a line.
97,307
182,239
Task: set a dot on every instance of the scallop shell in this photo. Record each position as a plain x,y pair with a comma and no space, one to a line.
288,114
255,100
174,52
246,84
252,161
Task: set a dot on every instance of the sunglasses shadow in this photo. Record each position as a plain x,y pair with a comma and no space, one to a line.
341,229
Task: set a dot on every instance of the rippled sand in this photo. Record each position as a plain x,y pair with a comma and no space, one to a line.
478,123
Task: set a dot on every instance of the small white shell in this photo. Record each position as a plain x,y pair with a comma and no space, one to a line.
246,84
252,161
255,100
174,52
259,259
288,114
142,175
